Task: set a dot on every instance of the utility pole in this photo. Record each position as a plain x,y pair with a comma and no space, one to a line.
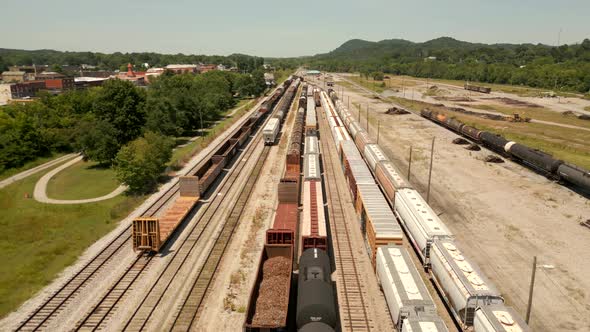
348,97
367,119
378,129
410,164
532,286
430,170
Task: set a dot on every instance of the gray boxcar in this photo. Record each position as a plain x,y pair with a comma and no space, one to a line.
462,283
405,292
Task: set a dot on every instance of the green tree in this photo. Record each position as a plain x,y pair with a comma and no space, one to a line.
96,139
121,104
139,163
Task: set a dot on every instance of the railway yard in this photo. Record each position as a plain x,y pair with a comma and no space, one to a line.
303,216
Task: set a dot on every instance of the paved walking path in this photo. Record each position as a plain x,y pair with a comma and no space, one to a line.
34,170
40,193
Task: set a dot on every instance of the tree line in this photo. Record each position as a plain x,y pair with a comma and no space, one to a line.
113,61
566,67
120,124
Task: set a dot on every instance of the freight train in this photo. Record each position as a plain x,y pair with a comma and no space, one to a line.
470,296
533,158
477,88
273,126
149,234
268,308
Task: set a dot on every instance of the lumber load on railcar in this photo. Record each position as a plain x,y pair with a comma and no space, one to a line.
151,233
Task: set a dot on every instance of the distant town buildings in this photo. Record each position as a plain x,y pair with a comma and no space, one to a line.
13,76
182,69
24,82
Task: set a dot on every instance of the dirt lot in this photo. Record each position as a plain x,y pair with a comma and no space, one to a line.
501,214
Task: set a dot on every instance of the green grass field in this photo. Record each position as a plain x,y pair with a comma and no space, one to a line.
39,240
538,113
82,180
33,163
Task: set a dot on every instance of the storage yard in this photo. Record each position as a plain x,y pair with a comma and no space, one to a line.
303,217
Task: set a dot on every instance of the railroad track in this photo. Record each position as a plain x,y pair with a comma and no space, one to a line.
55,303
152,299
192,304
97,318
353,309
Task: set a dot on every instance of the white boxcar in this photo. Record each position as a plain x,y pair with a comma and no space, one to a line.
463,285
354,128
424,324
422,224
499,318
311,145
405,292
374,154
311,164
270,131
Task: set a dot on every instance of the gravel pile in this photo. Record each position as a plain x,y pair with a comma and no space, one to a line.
272,302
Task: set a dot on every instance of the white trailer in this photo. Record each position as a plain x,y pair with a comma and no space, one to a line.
270,131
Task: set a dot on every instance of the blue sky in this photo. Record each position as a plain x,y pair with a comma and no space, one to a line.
280,28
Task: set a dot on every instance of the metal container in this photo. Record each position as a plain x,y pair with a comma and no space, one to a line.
574,175
422,224
454,124
499,318
461,281
373,155
285,225
405,292
424,323
471,132
354,128
361,139
316,301
316,327
390,179
493,141
377,221
254,303
313,219
270,131
534,158
311,145
189,186
311,167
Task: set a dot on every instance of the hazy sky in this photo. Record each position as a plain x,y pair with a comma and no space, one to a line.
280,28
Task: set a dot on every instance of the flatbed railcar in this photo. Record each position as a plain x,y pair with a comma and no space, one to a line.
149,234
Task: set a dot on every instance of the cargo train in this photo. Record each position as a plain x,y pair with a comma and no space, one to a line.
533,158
477,88
149,233
273,126
469,295
268,308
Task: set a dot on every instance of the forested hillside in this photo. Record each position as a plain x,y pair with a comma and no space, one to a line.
566,67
